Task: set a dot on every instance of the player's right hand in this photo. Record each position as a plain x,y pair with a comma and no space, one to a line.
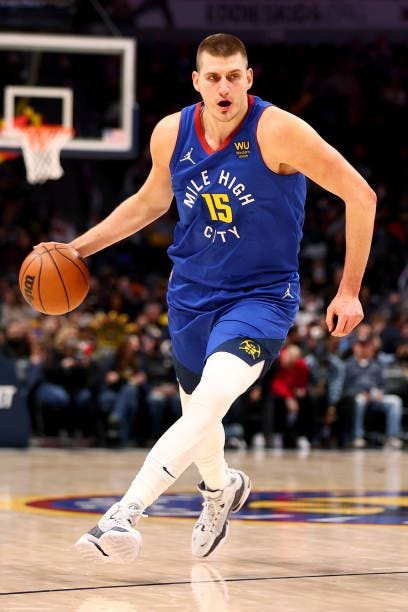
49,245
343,315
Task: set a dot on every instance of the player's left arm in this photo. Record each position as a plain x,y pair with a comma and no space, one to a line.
296,144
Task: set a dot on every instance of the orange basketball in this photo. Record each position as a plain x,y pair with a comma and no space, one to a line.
54,280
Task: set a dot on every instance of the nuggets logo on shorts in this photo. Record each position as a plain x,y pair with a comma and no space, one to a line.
251,348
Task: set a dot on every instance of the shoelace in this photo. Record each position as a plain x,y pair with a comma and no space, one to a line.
210,514
126,516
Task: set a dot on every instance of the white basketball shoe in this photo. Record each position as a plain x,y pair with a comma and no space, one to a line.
211,528
114,537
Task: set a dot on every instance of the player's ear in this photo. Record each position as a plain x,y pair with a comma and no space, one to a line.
250,78
195,80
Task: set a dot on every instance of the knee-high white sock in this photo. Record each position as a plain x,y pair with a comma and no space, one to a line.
209,455
225,377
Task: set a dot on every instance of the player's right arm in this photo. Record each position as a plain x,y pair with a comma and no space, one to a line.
151,201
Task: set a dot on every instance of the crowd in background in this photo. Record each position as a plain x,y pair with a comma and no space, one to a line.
103,373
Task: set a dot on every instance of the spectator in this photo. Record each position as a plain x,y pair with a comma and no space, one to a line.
122,390
163,401
62,385
364,387
292,416
325,390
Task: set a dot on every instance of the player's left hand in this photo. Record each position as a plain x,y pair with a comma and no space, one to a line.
343,315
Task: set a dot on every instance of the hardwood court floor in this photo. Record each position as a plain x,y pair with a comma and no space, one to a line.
336,538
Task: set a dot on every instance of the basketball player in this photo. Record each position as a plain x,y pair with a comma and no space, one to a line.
237,167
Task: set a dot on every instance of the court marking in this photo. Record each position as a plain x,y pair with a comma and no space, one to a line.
383,508
217,580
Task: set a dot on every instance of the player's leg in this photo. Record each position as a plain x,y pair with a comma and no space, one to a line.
209,456
225,377
189,343
224,490
242,332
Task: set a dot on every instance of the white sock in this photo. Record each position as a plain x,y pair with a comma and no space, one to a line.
224,379
209,456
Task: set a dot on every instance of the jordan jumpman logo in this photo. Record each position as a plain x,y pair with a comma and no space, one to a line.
188,157
287,293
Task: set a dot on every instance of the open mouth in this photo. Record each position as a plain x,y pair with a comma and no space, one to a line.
224,103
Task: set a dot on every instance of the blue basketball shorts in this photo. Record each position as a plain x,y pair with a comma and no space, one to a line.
254,328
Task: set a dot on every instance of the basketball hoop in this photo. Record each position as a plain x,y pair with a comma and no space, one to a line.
41,146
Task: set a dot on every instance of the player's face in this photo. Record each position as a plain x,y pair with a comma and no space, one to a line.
223,83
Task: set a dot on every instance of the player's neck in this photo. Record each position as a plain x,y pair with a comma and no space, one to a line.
216,132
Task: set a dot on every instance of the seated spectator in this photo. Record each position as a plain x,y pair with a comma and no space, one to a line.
292,417
364,387
162,399
395,374
62,389
256,416
121,392
325,390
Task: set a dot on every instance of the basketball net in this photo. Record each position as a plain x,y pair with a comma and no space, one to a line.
41,146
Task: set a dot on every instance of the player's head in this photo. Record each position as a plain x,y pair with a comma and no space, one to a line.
221,45
222,76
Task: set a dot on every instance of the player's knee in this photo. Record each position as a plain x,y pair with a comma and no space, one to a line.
229,376
215,394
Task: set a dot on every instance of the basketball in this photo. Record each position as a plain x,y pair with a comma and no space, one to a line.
54,279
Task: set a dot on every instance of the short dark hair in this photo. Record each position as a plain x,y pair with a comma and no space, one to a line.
221,45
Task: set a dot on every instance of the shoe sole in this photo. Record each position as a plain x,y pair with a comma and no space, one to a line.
239,500
238,503
112,546
90,551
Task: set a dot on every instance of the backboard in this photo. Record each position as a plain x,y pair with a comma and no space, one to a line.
83,82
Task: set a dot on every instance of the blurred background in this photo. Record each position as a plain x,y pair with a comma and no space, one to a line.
102,375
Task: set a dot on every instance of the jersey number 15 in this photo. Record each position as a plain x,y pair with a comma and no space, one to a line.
219,210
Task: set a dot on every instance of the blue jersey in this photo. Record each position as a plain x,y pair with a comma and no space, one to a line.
240,224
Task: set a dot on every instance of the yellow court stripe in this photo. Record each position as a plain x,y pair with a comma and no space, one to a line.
20,504
344,504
